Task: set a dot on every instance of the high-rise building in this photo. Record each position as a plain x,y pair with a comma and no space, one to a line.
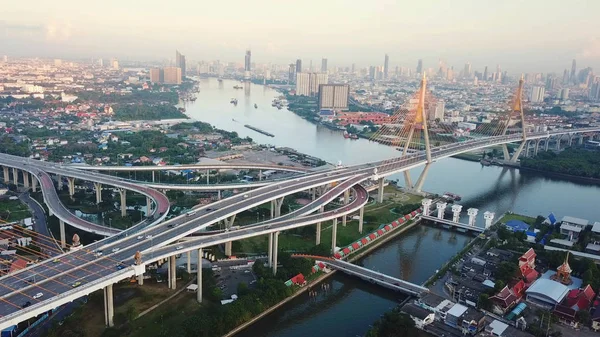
298,66
436,111
485,74
386,65
420,67
302,84
292,73
324,65
157,75
467,70
573,77
180,62
172,75
550,83
565,79
114,63
307,84
594,93
248,61
333,96
100,63
537,94
564,94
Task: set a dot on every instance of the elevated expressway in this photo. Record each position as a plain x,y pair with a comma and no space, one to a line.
54,279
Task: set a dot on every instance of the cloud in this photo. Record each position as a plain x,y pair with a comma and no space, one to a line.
591,50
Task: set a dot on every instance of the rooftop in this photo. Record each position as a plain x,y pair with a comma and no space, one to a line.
416,311
596,227
457,310
549,289
575,221
570,228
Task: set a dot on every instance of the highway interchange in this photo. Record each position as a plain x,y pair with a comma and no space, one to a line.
157,239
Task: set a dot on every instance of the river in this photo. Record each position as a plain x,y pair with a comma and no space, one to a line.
488,188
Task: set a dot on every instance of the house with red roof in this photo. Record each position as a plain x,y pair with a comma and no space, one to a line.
576,300
507,297
528,259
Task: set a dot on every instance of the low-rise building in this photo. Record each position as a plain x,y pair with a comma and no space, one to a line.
420,316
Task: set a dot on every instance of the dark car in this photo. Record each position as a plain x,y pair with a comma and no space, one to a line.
26,304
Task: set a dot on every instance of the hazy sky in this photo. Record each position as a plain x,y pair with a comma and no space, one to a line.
528,35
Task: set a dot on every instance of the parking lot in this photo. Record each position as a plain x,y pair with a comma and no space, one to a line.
230,275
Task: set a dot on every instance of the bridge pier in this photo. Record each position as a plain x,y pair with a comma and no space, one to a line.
314,193
517,153
6,174
63,236
34,183
334,236
380,190
558,143
59,185
318,233
346,201
361,214
275,249
408,181
276,207
153,176
259,175
228,224
109,309
25,179
580,140
218,194
270,253
537,147
172,273
207,177
148,206
189,262
441,207
199,277
123,195
15,176
570,139
98,188
546,144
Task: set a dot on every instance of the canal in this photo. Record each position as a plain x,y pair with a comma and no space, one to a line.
411,256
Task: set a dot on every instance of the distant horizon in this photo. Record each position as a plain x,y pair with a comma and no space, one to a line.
535,36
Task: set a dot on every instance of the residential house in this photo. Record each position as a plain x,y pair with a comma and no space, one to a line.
572,227
420,316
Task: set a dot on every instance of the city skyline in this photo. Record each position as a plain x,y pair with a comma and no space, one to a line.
444,32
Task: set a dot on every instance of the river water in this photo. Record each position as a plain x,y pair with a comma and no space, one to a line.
415,255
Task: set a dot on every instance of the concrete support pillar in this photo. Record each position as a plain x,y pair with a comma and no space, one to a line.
314,193
189,262
228,224
570,140
380,191
580,140
71,185
472,216
6,174
207,177
546,144
318,233
123,194
63,236
199,276
98,188
505,152
148,206
218,194
558,143
140,279
537,147
228,248
259,175
334,236
15,176
408,181
275,249
361,214
109,309
60,182
173,274
34,183
277,203
456,209
153,177
272,209
346,201
25,179
270,254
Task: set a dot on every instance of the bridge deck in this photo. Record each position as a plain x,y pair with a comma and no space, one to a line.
454,224
376,277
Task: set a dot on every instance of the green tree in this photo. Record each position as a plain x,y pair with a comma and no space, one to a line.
484,301
131,313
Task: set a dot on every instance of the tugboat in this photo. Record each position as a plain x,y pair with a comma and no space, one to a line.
234,101
255,106
452,196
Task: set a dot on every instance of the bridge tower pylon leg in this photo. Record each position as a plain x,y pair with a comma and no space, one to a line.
517,107
537,147
518,152
275,250
419,186
505,152
109,310
199,277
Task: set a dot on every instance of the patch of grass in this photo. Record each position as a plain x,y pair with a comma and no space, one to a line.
13,210
527,219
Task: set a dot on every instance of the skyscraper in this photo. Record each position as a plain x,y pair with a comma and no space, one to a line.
537,94
372,72
324,65
172,75
573,77
594,94
307,84
386,64
420,67
467,70
564,94
485,74
248,61
180,62
565,79
291,73
298,65
333,96
550,83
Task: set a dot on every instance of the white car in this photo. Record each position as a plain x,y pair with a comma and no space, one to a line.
116,249
140,237
245,195
38,295
179,247
148,236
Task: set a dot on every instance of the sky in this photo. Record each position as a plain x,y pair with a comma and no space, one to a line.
519,35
